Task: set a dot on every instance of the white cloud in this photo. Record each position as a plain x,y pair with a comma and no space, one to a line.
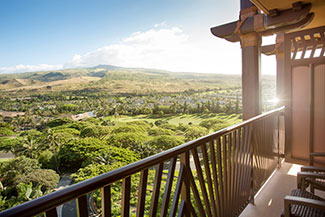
29,68
162,47
166,48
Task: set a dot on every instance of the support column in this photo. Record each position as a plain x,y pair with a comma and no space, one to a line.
251,59
280,69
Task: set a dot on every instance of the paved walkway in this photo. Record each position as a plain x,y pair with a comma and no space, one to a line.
67,209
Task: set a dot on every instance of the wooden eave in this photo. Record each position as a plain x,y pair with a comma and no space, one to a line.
318,8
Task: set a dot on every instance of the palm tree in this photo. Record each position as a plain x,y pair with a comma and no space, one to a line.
55,142
30,147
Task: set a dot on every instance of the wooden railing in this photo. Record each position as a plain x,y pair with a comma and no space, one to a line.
216,175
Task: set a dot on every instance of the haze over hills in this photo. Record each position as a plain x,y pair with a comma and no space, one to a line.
117,80
114,79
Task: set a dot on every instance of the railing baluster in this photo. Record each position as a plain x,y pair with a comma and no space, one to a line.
182,209
82,206
126,190
156,191
215,177
106,201
185,191
196,195
51,213
236,176
229,145
201,181
208,176
169,183
193,211
246,168
224,170
231,171
142,193
247,161
177,193
220,175
241,166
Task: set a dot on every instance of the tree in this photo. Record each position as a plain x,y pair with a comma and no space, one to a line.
129,128
194,132
95,131
4,131
20,165
160,131
127,140
46,178
25,192
59,122
168,126
109,154
165,142
30,147
211,123
72,155
55,142
11,144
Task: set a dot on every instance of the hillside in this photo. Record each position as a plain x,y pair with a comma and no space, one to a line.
113,79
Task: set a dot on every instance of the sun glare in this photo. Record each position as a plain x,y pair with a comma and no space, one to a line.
275,100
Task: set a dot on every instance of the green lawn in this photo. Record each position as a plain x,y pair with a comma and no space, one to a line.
5,159
176,119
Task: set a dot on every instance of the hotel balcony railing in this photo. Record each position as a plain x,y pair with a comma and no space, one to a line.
216,175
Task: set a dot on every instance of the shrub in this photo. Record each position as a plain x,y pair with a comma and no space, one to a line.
127,128
168,126
17,166
127,139
160,131
210,123
165,142
66,130
10,144
32,133
160,122
46,159
144,125
68,108
59,122
111,154
4,131
194,132
95,131
47,178
93,170
73,154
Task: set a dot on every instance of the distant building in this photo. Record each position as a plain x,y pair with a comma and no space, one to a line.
82,116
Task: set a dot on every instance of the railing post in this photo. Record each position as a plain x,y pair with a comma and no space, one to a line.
252,143
278,130
185,190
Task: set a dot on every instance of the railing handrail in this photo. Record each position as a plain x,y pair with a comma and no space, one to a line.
62,196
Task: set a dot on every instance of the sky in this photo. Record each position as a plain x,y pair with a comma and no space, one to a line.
162,34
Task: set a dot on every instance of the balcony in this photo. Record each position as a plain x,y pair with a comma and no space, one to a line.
222,174
216,175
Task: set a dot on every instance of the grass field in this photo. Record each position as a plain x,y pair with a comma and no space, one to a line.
4,159
177,119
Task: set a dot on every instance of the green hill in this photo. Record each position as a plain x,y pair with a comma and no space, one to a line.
115,80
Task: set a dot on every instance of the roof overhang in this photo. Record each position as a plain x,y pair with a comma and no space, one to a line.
273,17
318,8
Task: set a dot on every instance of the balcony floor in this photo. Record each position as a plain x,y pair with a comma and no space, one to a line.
269,201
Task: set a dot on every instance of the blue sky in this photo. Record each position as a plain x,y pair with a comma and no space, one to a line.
172,35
